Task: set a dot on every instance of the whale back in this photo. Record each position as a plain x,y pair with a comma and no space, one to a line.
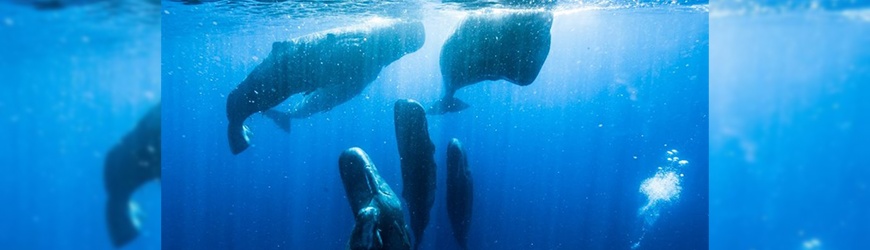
382,39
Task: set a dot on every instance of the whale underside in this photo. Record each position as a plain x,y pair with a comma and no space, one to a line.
329,67
129,165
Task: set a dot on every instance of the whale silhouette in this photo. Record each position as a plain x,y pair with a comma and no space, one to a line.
460,190
329,67
509,45
380,221
416,153
129,165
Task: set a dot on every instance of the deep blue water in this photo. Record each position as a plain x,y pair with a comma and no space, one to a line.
557,164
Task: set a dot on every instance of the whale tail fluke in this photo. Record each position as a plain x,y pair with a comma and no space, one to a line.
121,227
447,105
282,119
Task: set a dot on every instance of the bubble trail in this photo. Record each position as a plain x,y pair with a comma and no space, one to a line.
661,190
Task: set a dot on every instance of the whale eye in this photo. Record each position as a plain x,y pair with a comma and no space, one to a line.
247,133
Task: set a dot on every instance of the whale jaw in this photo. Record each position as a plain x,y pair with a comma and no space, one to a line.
122,230
239,141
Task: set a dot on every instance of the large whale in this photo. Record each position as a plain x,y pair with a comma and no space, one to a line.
329,67
509,45
460,190
380,221
416,153
130,164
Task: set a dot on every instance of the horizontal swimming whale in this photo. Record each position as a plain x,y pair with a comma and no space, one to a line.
460,190
416,152
329,67
509,45
380,221
130,164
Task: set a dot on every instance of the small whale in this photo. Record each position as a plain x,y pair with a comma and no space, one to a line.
416,152
460,190
129,165
509,45
380,220
329,68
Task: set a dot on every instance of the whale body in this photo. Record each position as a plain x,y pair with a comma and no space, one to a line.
460,190
416,153
509,45
329,67
129,165
380,221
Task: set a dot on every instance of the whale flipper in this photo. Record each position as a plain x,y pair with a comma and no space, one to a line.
460,190
416,152
129,165
448,105
282,119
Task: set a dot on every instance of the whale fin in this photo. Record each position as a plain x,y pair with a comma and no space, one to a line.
282,119
448,105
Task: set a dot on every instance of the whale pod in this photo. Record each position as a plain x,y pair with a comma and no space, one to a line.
130,164
509,45
380,221
416,152
460,189
330,68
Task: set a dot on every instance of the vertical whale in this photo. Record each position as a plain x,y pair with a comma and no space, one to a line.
329,68
416,152
498,45
380,221
460,191
130,164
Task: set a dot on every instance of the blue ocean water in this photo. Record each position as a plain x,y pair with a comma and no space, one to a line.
558,164
74,81
788,166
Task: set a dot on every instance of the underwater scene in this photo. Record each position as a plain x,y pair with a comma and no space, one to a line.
430,125
481,124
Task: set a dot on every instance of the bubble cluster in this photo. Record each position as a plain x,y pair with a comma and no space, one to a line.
661,190
661,187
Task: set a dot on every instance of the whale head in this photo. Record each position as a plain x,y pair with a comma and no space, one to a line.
359,176
400,38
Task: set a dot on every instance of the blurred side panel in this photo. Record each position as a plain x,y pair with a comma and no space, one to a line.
76,76
788,129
